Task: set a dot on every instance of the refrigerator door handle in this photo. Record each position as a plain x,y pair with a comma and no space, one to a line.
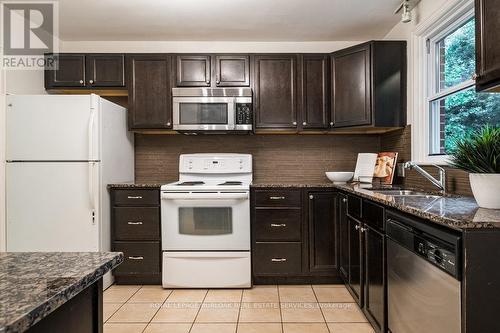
92,190
91,134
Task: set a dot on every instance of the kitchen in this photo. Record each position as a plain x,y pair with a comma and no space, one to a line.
243,175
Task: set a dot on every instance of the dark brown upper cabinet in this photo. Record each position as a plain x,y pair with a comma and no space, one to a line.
150,91
487,45
105,70
87,71
232,71
194,70
369,85
69,72
275,96
314,91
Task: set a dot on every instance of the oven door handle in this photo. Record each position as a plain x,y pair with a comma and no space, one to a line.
206,196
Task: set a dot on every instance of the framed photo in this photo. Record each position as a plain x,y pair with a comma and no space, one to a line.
386,166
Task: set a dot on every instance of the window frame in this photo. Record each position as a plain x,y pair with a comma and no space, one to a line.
425,70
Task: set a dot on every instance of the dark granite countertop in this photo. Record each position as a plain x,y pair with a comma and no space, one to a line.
32,285
136,185
456,212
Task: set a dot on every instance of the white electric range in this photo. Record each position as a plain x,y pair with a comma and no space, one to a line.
206,223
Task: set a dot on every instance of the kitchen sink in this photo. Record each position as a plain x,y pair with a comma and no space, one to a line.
405,193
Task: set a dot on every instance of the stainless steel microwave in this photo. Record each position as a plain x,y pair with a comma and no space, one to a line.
212,109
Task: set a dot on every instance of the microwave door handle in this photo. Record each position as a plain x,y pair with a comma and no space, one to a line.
232,109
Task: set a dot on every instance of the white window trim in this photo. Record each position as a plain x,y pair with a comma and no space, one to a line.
433,28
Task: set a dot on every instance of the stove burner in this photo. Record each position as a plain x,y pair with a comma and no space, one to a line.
190,183
231,183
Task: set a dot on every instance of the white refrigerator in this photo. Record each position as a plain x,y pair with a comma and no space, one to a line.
61,152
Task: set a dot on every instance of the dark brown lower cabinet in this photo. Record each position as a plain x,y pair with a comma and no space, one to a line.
294,236
343,238
323,235
374,278
354,277
135,225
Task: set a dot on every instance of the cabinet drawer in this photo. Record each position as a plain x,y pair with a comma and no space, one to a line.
136,197
277,258
136,223
277,225
373,215
278,198
354,206
139,257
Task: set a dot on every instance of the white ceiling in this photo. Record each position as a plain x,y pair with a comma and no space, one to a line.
226,20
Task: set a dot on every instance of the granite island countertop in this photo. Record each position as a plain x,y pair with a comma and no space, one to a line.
456,212
34,284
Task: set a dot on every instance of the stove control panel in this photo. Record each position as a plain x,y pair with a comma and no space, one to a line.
215,163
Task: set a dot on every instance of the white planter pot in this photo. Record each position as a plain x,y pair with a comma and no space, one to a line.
486,189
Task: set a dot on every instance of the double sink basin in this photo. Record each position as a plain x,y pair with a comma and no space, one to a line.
406,193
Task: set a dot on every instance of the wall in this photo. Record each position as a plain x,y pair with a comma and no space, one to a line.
277,158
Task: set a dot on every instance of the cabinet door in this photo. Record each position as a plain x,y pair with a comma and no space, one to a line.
150,102
193,70
275,91
322,231
232,71
487,44
374,277
105,70
355,270
343,238
351,96
69,72
314,91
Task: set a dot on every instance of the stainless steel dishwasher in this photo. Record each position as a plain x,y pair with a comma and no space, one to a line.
423,277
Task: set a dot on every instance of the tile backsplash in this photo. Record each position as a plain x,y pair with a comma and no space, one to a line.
276,158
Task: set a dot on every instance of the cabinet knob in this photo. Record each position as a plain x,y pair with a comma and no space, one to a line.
207,81
474,76
168,124
363,229
81,81
91,81
356,227
344,200
304,123
294,123
331,123
311,196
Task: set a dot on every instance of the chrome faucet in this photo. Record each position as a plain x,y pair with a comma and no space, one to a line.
441,183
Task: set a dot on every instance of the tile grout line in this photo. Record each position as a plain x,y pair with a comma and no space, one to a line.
199,309
279,305
161,306
239,310
320,309
122,304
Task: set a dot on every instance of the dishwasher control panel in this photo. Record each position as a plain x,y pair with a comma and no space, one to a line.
438,254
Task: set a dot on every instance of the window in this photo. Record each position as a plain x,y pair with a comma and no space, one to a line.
454,108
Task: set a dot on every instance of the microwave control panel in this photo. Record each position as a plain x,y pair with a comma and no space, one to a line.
244,114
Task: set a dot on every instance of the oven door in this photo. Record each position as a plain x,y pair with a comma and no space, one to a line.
217,221
204,113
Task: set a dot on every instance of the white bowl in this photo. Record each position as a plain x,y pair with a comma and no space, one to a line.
339,177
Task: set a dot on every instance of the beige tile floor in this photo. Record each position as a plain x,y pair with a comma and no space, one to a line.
262,309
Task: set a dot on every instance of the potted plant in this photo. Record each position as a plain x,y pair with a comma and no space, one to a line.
479,154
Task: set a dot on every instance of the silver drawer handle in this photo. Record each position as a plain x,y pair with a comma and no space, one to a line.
134,197
136,258
278,259
277,198
276,225
134,223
